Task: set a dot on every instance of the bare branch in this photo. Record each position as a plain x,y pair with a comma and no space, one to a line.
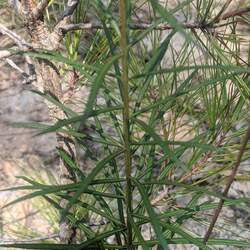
225,6
235,13
228,185
71,6
23,46
20,42
27,77
134,26
14,66
58,32
142,26
30,68
5,54
81,26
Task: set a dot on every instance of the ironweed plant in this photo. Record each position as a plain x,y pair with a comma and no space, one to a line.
152,148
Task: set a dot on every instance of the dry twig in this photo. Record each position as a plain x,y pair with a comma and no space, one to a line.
19,41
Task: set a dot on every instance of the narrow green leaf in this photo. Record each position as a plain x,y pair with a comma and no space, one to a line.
152,65
56,102
99,238
169,18
151,213
138,234
89,178
66,158
75,119
179,69
159,141
191,240
97,83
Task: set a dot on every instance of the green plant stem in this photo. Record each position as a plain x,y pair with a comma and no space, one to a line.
126,125
228,185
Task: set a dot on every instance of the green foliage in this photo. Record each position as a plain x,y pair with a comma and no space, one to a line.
183,103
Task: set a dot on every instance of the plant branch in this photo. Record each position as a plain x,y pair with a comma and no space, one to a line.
143,26
71,6
14,66
126,114
134,26
65,18
22,44
5,54
38,12
225,6
228,185
235,13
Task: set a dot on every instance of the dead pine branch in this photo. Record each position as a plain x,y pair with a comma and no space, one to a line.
19,41
22,46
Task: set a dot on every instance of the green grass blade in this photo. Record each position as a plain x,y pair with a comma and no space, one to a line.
89,178
159,141
76,119
97,83
153,217
99,238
